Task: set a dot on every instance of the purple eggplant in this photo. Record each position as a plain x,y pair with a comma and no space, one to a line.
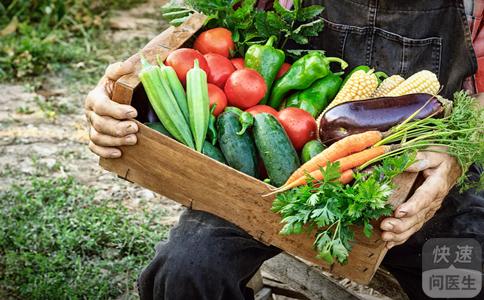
376,114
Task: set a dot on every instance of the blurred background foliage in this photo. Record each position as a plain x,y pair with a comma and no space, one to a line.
37,35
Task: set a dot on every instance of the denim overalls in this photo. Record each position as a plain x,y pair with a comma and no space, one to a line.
209,258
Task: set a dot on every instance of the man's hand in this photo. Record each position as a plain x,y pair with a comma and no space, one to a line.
441,172
110,124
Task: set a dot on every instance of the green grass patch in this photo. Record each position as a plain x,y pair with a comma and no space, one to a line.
38,36
56,242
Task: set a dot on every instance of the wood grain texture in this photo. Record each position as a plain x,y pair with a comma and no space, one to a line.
169,168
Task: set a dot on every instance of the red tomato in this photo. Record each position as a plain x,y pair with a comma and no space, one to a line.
217,40
220,69
217,96
254,110
238,63
284,68
182,61
300,126
245,88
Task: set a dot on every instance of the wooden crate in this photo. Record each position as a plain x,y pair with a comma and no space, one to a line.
169,168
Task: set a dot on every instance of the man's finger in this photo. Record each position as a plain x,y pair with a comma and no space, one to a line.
432,188
110,126
426,160
99,102
106,152
111,141
116,70
401,237
399,225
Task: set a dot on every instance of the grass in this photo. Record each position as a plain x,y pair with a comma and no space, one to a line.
58,243
37,37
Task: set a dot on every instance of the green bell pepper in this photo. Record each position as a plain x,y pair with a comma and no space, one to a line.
302,74
379,75
315,98
266,60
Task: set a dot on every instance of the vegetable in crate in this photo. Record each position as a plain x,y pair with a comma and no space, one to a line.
299,125
283,70
366,69
238,63
212,129
311,149
182,60
345,147
238,150
254,110
169,75
159,127
266,60
216,40
302,74
164,103
275,148
245,118
217,97
387,86
360,85
245,88
198,104
315,98
376,114
332,208
213,152
420,82
220,69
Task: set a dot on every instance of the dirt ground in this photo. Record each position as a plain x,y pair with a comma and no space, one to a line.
43,131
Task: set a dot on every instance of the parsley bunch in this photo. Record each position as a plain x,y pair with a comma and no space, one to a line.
330,209
250,25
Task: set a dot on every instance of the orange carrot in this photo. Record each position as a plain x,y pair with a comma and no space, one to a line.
342,148
347,176
345,163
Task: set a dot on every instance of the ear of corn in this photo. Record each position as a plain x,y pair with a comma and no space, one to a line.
361,85
420,82
388,85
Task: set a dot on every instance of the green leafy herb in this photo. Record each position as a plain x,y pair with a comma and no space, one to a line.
250,25
331,208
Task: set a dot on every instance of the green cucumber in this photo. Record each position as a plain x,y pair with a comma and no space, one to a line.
311,149
239,150
213,152
276,150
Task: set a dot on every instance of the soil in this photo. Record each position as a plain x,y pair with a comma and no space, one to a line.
43,131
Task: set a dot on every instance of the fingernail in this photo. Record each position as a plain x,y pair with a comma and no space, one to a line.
131,114
115,154
131,128
401,214
387,226
131,139
422,164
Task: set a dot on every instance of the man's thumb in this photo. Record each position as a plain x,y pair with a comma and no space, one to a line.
116,70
